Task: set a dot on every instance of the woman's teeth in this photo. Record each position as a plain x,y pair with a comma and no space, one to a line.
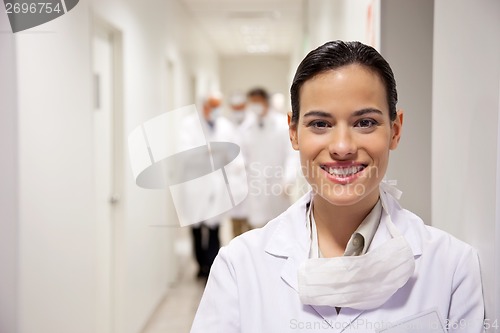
344,172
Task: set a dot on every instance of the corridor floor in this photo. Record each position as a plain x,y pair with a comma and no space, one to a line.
176,313
177,310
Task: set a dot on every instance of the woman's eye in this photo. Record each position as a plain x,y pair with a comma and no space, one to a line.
319,124
366,123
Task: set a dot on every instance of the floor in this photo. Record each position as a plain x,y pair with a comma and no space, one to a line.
176,313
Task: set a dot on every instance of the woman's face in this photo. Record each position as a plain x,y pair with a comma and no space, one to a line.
344,134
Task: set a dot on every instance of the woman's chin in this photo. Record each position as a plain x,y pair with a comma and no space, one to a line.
344,195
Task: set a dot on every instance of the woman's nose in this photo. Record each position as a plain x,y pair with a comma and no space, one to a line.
342,144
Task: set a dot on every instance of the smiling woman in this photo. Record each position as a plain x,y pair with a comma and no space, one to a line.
346,254
345,146
349,138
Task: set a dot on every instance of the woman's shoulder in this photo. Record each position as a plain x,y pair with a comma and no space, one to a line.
255,242
450,244
434,239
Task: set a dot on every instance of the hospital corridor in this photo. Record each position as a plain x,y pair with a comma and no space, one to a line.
230,166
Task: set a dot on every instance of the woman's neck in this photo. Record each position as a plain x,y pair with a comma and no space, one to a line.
336,224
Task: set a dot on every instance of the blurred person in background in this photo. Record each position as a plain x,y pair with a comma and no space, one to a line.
237,103
216,129
238,116
272,164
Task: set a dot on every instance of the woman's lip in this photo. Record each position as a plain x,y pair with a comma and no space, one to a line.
341,164
343,180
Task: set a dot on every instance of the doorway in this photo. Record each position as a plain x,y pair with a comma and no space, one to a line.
108,173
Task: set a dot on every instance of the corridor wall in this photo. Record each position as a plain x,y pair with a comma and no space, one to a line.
465,131
56,239
406,42
9,180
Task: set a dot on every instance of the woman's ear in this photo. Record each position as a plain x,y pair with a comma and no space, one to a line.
292,130
396,128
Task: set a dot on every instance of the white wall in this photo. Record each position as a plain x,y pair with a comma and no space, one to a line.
57,244
341,19
493,310
406,43
9,217
246,72
56,266
327,20
465,128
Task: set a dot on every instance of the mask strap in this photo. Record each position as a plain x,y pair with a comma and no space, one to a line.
391,189
313,233
386,189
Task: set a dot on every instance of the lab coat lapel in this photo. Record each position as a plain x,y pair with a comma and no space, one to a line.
291,240
281,244
337,322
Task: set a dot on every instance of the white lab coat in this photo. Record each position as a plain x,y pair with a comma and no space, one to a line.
222,131
240,179
253,283
272,166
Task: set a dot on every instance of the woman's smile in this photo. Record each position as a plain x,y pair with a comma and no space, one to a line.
343,173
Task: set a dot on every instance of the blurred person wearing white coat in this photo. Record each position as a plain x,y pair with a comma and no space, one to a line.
216,129
346,257
272,164
239,116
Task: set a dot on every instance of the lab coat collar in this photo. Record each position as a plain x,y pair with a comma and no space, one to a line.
290,236
400,219
291,241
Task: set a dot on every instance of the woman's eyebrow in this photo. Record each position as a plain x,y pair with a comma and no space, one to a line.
357,113
363,112
315,113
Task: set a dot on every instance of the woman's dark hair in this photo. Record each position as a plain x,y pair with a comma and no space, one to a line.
337,54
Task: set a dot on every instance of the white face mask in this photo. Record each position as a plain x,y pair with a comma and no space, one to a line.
238,116
257,108
214,114
359,282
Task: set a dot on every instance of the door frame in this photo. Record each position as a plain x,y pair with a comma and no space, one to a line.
117,219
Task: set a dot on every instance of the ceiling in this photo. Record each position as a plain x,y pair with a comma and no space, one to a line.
239,27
